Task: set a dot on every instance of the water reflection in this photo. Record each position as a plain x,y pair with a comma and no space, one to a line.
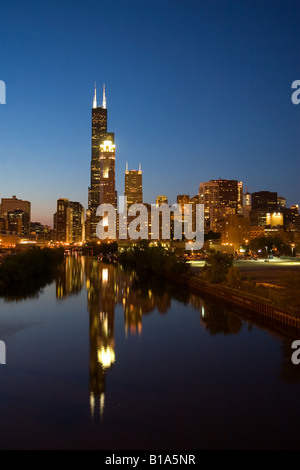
70,277
109,285
101,289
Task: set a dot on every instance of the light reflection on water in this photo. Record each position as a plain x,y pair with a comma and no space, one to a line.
164,369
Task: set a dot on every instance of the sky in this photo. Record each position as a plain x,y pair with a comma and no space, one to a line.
196,90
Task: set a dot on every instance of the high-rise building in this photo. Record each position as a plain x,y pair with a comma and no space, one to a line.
62,220
161,200
70,227
17,221
183,199
274,219
15,204
290,216
281,202
78,226
230,193
220,198
209,197
264,200
235,230
240,197
133,186
102,188
247,199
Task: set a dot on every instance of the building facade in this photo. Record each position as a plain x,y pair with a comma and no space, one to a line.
16,208
102,188
133,187
264,200
70,226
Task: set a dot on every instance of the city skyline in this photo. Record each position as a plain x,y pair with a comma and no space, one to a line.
99,181
195,92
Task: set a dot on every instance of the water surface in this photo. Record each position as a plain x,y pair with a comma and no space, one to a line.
99,361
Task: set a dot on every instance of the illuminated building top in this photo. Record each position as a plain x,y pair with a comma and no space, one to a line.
107,146
104,98
95,98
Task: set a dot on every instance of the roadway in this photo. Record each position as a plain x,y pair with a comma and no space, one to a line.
259,269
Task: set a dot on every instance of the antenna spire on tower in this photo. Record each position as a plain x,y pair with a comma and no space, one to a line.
95,98
104,98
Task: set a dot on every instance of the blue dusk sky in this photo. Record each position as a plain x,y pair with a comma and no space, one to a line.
196,90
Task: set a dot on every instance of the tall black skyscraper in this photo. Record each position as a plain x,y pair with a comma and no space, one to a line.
102,189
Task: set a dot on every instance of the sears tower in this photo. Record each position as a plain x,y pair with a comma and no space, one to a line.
102,189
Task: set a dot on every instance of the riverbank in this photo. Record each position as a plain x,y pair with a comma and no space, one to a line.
259,270
26,273
220,278
252,306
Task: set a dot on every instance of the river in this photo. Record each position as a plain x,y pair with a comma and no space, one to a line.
97,360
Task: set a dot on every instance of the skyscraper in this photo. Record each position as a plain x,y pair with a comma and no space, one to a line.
264,200
62,222
230,193
15,204
209,197
161,200
102,189
69,221
78,227
133,186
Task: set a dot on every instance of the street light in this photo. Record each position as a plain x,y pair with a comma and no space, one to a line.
293,246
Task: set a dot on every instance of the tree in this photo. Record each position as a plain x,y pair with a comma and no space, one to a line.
217,266
267,244
234,277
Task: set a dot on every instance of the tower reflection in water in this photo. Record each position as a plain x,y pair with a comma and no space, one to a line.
100,285
108,285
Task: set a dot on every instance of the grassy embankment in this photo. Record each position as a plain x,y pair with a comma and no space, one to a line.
145,259
27,273
284,294
218,271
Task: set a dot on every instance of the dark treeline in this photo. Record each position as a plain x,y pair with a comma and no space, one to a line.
26,273
144,259
98,249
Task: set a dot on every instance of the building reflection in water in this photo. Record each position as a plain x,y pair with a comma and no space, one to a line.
70,277
100,285
108,285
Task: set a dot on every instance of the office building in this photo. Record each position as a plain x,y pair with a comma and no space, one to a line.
10,205
281,203
209,197
102,188
133,186
70,227
264,200
230,193
161,200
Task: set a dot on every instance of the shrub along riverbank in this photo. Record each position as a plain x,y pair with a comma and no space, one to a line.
218,271
30,271
145,259
285,294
